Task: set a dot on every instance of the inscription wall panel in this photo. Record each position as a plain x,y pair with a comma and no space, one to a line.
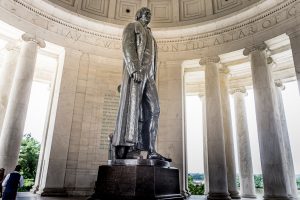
126,9
161,10
191,9
109,116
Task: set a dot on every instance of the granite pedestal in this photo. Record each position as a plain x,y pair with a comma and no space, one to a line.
137,180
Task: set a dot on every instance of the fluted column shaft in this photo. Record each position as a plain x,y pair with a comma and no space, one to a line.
7,76
228,135
206,175
15,116
294,35
268,125
218,188
286,142
243,145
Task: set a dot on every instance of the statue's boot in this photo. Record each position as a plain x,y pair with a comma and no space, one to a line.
133,154
157,156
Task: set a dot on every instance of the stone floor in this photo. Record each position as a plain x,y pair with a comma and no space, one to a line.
30,196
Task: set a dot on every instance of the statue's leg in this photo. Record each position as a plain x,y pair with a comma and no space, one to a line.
152,110
151,122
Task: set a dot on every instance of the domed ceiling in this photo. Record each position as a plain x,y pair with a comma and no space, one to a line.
165,13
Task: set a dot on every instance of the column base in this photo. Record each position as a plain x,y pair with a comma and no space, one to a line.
52,192
34,189
249,196
218,196
276,198
234,195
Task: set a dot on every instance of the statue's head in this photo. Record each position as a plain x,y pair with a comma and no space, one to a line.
143,15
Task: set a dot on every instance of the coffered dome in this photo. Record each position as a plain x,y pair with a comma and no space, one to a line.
165,13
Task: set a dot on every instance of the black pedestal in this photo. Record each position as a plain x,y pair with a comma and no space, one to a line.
137,182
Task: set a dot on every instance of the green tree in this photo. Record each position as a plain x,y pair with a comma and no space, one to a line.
258,181
28,159
195,189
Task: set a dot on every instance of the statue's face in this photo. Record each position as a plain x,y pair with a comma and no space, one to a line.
146,17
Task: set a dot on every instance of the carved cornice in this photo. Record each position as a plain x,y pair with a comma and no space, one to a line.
209,59
32,38
244,29
256,47
62,22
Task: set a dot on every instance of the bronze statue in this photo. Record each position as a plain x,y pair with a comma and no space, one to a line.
137,121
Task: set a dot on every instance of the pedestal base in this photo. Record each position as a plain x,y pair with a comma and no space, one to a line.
136,182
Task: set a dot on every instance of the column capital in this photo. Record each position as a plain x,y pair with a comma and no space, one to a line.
279,84
209,59
30,37
242,90
256,47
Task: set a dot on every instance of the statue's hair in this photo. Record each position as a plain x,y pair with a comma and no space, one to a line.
139,13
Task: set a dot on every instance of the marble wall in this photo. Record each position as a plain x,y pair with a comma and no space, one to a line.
75,143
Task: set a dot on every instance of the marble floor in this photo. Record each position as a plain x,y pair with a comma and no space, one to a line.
30,196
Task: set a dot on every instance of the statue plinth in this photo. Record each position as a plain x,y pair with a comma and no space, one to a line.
132,179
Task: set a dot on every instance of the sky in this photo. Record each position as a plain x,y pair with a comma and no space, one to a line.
291,102
37,110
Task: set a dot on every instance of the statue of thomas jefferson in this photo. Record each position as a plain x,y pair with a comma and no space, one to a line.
137,120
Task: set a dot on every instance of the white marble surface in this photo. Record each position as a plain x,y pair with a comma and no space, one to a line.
228,134
170,139
268,125
287,152
243,145
7,73
294,34
13,125
215,131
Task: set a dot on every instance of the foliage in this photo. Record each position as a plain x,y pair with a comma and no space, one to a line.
238,183
258,181
298,182
195,189
28,159
29,156
28,183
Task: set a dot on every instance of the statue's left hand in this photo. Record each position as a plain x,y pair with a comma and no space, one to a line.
137,77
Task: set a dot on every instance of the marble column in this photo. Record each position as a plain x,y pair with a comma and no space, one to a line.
7,73
294,35
286,142
243,145
218,188
13,125
268,125
205,161
228,135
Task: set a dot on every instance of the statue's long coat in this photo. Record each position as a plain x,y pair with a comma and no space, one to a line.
130,111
